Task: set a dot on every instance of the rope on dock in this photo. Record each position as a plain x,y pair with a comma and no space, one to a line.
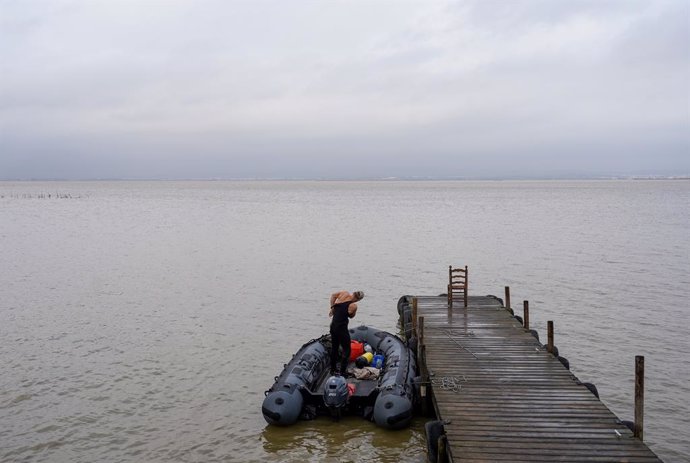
456,342
448,383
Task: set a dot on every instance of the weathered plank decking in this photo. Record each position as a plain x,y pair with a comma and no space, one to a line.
505,398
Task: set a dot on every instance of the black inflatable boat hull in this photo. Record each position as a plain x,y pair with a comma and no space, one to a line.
392,400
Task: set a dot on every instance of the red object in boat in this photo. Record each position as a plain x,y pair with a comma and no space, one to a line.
356,349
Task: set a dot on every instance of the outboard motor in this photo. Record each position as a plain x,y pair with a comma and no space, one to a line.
335,395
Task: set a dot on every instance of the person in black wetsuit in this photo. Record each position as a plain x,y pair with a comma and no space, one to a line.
343,308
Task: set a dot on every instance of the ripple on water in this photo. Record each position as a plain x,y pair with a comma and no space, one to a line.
21,398
49,428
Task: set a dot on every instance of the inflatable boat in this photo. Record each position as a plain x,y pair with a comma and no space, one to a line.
305,388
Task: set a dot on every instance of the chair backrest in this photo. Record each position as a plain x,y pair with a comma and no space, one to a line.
457,277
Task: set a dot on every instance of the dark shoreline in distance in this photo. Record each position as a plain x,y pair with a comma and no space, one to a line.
361,179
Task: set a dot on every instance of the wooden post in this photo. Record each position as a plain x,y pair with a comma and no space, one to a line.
420,337
525,318
421,359
467,283
414,316
549,328
450,282
639,397
507,297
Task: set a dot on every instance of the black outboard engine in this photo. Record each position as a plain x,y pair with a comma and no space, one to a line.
335,395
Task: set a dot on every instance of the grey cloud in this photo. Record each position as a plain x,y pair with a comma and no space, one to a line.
298,89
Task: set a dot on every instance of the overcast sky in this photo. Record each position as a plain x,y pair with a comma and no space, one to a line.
343,89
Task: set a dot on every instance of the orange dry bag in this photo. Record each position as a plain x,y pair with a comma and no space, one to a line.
356,349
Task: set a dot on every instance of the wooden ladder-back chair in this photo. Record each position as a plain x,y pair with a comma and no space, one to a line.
457,283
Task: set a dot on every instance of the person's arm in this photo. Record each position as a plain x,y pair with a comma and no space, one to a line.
334,297
352,310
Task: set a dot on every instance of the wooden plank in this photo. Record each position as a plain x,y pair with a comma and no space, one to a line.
473,457
581,450
552,443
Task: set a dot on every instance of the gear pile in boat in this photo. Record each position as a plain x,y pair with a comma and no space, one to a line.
379,385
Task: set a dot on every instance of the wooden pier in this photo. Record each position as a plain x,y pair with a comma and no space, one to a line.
503,396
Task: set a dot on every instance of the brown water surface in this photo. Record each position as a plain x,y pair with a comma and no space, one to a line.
143,321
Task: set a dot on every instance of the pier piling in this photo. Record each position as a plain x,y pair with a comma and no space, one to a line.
525,318
639,397
420,335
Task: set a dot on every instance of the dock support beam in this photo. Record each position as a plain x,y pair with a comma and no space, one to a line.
549,328
639,397
507,297
525,318
414,316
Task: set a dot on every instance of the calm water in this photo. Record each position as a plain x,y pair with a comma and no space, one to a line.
142,321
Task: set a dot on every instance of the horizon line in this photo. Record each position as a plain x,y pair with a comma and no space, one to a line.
345,179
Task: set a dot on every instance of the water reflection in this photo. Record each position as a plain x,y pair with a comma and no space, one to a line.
348,440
